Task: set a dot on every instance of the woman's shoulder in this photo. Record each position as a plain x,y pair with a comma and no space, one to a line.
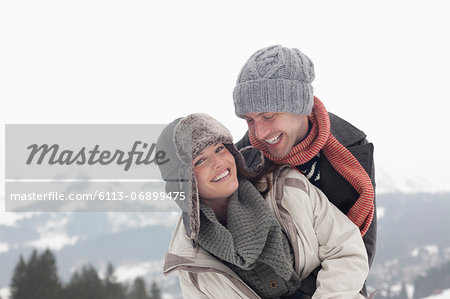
180,244
183,250
291,187
292,177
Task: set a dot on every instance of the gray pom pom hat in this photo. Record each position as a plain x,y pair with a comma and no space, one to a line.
275,79
182,141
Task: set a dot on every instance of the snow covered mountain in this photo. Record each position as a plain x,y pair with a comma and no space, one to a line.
135,243
398,181
445,294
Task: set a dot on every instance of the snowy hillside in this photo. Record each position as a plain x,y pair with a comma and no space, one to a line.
401,182
445,294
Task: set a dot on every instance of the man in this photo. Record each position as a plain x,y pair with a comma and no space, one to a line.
275,96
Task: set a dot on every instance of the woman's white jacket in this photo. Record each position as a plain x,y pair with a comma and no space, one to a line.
319,233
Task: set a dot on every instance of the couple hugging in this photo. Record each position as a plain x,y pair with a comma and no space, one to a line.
286,212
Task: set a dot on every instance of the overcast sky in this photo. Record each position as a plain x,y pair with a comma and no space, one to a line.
383,66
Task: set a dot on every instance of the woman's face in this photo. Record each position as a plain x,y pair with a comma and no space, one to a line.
216,173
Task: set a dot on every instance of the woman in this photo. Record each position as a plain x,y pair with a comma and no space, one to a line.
234,243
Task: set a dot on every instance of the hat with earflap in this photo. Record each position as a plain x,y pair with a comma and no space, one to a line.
182,141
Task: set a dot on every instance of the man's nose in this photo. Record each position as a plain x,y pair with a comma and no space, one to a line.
261,130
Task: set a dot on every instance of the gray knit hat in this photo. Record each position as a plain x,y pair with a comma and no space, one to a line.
182,141
275,79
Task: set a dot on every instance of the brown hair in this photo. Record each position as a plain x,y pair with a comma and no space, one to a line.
263,178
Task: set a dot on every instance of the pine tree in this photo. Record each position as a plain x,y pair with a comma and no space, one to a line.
113,289
139,289
155,292
32,273
403,294
18,283
37,278
50,286
85,285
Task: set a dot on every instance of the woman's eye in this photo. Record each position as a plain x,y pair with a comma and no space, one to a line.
220,148
199,161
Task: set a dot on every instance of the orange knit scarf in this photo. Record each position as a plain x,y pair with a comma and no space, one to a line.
320,138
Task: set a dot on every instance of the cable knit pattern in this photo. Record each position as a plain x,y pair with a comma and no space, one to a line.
275,79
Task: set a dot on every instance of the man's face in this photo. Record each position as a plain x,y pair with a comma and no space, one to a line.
278,131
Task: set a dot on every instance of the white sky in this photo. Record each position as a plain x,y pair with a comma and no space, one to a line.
384,66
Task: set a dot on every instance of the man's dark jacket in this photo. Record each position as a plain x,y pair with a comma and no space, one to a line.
336,188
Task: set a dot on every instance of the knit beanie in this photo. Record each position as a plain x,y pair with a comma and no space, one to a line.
275,79
182,141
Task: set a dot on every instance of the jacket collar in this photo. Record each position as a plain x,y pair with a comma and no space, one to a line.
344,132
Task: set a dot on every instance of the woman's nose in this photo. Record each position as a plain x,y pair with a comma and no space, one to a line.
217,162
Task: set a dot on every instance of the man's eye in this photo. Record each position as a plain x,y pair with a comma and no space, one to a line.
249,120
268,116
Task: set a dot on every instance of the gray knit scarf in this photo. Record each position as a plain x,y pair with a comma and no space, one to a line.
252,241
